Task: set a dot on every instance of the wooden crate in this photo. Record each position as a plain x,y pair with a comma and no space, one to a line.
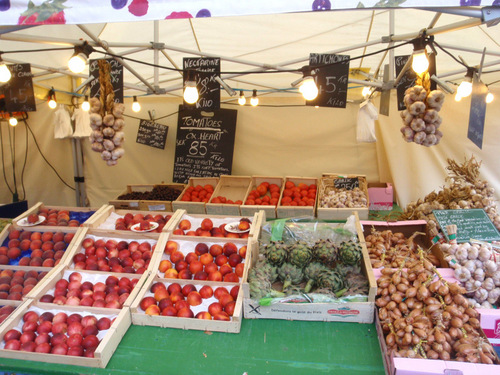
247,210
256,221
295,211
107,217
155,239
48,286
110,338
145,205
187,244
139,317
194,207
13,306
233,188
76,231
74,211
326,184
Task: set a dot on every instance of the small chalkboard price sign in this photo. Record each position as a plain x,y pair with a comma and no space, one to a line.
477,113
471,224
19,95
152,134
348,183
205,143
205,70
407,81
332,77
116,79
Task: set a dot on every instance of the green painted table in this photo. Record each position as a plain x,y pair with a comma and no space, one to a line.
262,347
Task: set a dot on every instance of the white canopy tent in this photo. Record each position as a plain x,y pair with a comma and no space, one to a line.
274,141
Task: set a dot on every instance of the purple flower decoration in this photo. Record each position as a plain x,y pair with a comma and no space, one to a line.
203,13
468,3
321,5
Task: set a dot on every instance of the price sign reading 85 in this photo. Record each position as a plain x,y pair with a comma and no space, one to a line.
198,148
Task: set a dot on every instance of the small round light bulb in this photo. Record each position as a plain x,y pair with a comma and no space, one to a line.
254,100
465,88
489,97
242,100
308,88
5,73
86,104
77,63
13,121
190,92
136,106
420,63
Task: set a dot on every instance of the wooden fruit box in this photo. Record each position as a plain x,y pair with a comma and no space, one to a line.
326,184
107,217
80,214
145,205
48,286
72,235
7,308
283,212
187,245
408,228
42,274
194,207
232,188
109,339
139,317
270,210
256,219
413,366
357,312
153,239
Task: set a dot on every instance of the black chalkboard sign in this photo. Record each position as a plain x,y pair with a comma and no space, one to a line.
205,143
347,183
332,76
19,95
473,223
152,134
205,71
407,81
116,79
477,113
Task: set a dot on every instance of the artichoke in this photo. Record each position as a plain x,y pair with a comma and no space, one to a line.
276,253
312,273
332,280
299,254
290,274
350,253
325,252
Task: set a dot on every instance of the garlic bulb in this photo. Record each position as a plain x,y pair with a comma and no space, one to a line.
484,254
470,265
479,274
480,295
461,254
462,274
490,267
488,284
472,252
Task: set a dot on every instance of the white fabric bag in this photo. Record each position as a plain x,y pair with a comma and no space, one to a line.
367,115
62,123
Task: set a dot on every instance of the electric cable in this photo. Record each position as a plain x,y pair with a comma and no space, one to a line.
449,54
40,151
13,160
3,163
24,164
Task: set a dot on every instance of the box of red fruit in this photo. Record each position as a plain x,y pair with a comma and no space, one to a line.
43,247
216,225
110,218
228,196
298,197
117,252
198,259
263,194
7,307
18,283
185,304
41,216
91,289
197,193
63,334
157,197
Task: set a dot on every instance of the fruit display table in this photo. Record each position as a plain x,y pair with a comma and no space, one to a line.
262,347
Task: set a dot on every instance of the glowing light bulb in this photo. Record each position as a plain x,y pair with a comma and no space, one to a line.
5,73
242,100
366,91
254,100
136,106
458,97
308,88
86,104
465,88
489,98
190,92
77,63
13,121
420,63
52,104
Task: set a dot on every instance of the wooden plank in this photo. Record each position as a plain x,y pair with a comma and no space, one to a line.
194,207
294,211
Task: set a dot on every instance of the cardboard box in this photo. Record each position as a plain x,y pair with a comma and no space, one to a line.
145,205
326,184
490,323
80,214
283,212
139,317
247,210
194,207
232,188
109,339
106,218
381,196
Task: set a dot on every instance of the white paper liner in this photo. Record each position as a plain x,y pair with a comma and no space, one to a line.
196,221
110,222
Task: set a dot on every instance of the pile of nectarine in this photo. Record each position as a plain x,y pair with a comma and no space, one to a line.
300,195
218,262
112,255
130,219
208,229
62,218
16,284
35,249
264,195
180,301
60,333
74,291
198,193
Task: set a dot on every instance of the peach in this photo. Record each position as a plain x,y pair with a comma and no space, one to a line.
171,273
207,224
206,291
185,224
215,276
204,315
185,274
164,265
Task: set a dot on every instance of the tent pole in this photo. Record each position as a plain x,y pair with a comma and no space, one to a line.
437,16
391,43
75,172
121,61
439,30
468,49
156,54
464,70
